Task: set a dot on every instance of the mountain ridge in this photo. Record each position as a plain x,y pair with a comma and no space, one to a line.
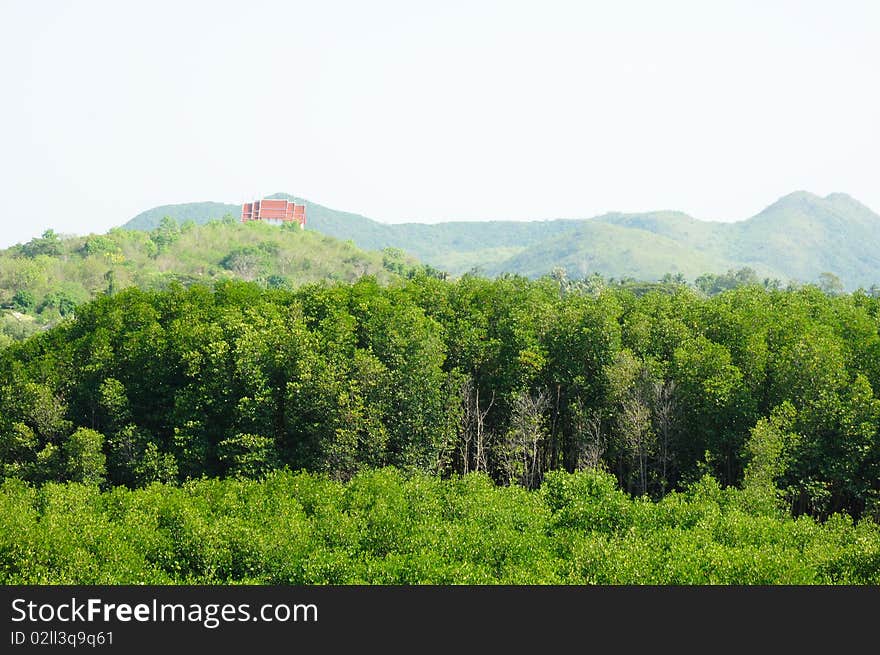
796,238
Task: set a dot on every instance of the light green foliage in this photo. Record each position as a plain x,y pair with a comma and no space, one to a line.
47,278
769,450
84,459
248,455
155,466
383,527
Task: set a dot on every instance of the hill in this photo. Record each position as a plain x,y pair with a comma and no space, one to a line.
806,235
453,246
612,251
43,280
797,238
197,212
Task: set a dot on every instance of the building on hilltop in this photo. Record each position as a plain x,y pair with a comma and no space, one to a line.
274,212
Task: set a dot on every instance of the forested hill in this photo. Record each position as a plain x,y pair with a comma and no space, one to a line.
366,233
797,238
43,280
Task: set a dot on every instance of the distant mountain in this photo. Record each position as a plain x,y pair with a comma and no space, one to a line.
454,246
613,250
803,235
796,238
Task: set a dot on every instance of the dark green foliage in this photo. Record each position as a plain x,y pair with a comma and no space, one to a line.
165,234
508,377
23,300
60,301
712,284
49,244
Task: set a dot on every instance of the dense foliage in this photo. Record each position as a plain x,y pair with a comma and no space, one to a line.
42,281
770,391
382,527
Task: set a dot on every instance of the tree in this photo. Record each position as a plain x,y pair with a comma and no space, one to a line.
473,440
155,466
248,455
32,427
630,389
23,300
166,234
769,451
278,282
246,262
676,279
100,245
48,244
126,448
830,284
521,448
589,438
110,278
37,406
84,458
394,260
59,300
18,450
359,439
712,284
663,402
581,340
715,408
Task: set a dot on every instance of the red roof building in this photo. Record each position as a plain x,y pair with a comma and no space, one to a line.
275,212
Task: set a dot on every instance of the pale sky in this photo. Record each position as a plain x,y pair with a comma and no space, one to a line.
429,111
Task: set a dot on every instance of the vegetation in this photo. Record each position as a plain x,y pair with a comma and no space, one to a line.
386,528
425,430
197,212
506,377
42,281
796,239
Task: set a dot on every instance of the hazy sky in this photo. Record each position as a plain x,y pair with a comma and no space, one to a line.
434,110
